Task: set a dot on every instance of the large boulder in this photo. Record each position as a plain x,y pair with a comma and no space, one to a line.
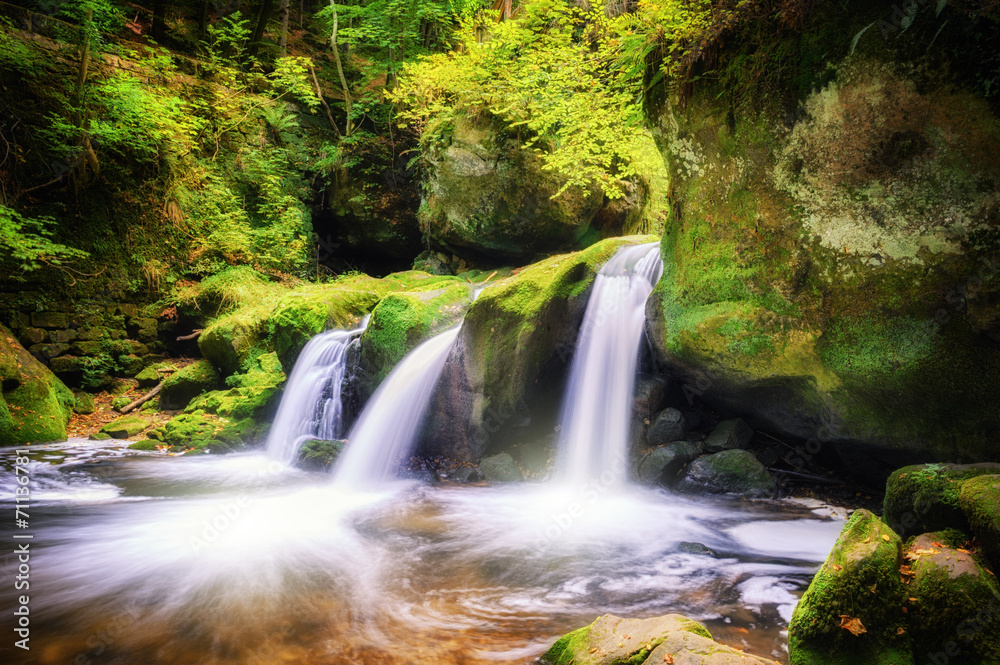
187,383
852,611
126,427
673,638
253,394
924,498
500,468
952,602
34,405
487,194
830,269
728,472
512,354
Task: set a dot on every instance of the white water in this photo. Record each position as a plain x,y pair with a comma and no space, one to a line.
387,427
240,560
311,407
593,439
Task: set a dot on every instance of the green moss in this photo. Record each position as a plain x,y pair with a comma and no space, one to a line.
319,455
145,444
126,427
251,393
36,404
202,431
186,384
877,348
923,498
980,502
866,557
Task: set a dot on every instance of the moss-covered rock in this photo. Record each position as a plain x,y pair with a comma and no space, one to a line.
35,405
183,386
403,320
500,468
487,194
831,240
952,602
200,431
673,638
513,350
728,472
148,377
663,463
253,393
852,611
924,498
980,501
83,403
119,403
145,444
126,427
319,455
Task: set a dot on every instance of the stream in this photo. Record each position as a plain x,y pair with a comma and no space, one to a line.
148,558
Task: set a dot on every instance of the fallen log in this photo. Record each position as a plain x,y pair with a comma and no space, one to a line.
145,398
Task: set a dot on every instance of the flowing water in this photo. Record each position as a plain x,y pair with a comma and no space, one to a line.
594,424
148,559
311,406
387,428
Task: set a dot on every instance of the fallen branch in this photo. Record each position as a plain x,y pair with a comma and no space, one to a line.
807,476
188,338
145,398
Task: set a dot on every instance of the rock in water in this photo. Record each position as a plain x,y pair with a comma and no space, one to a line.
668,426
501,468
729,472
662,464
673,638
319,455
852,612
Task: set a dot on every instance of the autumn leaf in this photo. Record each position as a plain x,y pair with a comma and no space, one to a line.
667,658
852,625
900,630
885,537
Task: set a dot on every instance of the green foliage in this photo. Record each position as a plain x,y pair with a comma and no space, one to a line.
26,245
553,77
227,41
291,76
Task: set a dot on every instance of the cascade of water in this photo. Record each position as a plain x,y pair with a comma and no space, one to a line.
311,407
387,427
593,439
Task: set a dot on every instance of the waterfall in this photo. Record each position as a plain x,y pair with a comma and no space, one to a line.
311,407
387,427
593,438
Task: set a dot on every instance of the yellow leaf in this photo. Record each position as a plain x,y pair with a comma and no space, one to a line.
852,625
885,537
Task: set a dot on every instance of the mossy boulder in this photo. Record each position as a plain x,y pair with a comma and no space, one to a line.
952,602
403,320
923,498
253,393
980,501
673,638
126,427
186,384
319,455
500,468
148,378
662,464
488,195
34,404
728,472
199,431
852,611
830,243
83,403
146,444
513,352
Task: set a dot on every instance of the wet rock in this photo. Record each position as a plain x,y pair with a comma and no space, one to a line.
729,435
664,463
464,474
500,468
980,501
319,455
126,427
696,548
673,638
924,498
728,472
186,384
859,588
649,393
952,602
668,426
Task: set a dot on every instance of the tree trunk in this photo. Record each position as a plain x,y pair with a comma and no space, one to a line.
202,18
348,129
263,16
283,18
159,29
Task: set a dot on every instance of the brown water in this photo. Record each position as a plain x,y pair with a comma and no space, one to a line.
239,560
